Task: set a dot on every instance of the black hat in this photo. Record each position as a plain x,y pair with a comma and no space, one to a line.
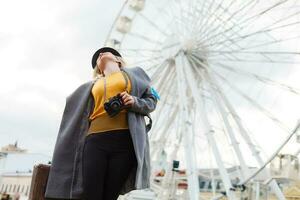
103,49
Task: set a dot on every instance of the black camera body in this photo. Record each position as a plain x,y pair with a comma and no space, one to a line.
114,105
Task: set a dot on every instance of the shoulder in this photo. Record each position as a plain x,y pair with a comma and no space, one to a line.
79,90
85,85
141,72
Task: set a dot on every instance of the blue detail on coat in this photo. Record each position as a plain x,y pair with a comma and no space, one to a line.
155,93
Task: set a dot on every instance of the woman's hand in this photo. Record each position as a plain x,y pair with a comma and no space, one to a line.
127,98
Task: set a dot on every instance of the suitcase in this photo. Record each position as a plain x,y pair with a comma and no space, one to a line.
39,181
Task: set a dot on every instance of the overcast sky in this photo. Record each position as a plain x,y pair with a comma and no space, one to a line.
45,53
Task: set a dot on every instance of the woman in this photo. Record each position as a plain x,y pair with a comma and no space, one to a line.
108,153
102,152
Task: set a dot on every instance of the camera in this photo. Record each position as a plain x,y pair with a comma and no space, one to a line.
114,105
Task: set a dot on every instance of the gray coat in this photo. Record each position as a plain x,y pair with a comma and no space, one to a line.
65,176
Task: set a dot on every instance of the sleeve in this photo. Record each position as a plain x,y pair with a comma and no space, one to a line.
146,103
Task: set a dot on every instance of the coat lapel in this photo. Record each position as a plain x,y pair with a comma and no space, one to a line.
139,81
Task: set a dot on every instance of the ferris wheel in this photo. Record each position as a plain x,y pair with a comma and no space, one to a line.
227,74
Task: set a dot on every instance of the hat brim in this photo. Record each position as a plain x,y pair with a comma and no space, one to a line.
101,50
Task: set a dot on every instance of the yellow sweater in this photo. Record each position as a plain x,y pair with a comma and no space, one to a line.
100,120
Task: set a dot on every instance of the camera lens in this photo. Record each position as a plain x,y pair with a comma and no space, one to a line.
115,105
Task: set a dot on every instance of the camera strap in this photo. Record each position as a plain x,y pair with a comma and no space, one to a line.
126,84
148,126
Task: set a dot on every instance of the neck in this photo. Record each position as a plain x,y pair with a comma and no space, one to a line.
111,67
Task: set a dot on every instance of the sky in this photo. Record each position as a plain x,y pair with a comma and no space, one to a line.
45,53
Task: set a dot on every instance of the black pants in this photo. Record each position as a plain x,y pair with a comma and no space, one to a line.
108,158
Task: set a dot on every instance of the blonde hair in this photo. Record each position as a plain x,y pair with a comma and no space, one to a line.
98,74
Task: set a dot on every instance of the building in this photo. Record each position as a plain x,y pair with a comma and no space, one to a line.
16,166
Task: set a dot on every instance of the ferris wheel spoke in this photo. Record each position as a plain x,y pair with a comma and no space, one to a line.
272,42
201,13
226,56
253,17
139,54
211,138
140,50
245,133
197,19
243,37
173,17
167,90
144,38
159,82
215,53
153,24
168,13
201,17
168,117
199,42
135,55
223,54
278,21
246,5
297,152
197,45
147,60
206,20
233,140
148,63
218,16
254,103
260,14
160,72
184,22
268,59
207,53
223,23
152,67
255,61
192,14
179,3
161,10
219,52
261,79
212,28
190,20
264,11
252,144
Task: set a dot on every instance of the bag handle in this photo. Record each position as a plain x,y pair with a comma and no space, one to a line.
148,126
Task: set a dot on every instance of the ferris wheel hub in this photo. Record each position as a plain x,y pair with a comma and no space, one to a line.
188,44
172,45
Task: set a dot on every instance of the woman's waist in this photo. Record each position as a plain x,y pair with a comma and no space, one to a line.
112,139
105,122
99,111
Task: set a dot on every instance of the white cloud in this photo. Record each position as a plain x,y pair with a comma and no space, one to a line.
45,53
